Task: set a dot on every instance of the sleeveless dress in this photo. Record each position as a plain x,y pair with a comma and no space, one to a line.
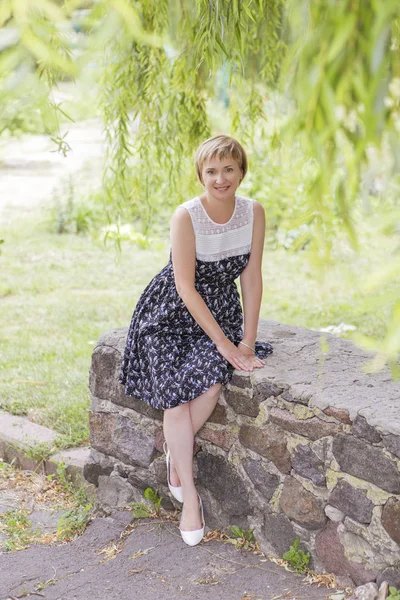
168,359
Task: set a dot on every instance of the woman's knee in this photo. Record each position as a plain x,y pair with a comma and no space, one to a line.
177,412
215,390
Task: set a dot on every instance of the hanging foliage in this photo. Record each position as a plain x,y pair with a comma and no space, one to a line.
163,64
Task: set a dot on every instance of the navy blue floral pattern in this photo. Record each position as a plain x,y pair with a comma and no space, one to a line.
168,359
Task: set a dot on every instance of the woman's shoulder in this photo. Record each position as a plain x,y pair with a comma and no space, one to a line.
251,204
190,204
183,216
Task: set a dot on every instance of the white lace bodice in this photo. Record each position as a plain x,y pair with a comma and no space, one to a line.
216,241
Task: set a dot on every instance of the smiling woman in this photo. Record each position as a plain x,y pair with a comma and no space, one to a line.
186,335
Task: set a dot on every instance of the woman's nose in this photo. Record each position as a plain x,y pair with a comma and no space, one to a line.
220,178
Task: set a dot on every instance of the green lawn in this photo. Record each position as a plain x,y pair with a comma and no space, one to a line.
59,293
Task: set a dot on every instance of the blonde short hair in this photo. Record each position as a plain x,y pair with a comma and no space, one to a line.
220,146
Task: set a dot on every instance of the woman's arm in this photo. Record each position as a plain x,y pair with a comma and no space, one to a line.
251,278
183,248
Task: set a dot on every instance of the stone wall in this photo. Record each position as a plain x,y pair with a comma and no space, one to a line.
308,446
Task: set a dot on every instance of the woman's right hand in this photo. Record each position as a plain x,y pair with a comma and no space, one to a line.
234,356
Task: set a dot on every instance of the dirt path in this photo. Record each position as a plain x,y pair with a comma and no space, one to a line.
151,563
30,169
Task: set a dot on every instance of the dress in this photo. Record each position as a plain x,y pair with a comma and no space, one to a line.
168,359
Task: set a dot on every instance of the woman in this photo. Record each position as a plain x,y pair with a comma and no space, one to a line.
187,333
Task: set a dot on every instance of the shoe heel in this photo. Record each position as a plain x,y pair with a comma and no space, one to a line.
175,490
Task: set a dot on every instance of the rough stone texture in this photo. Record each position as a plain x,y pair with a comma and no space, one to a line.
392,443
17,434
368,591
279,532
219,415
334,514
391,575
265,482
222,481
120,437
366,462
114,491
96,465
222,438
266,389
307,464
241,402
391,519
330,551
241,379
313,428
341,414
383,591
301,506
269,442
352,502
363,430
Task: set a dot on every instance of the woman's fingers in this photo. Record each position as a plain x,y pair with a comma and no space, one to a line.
242,363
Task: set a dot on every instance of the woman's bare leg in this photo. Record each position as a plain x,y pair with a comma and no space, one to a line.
178,433
200,409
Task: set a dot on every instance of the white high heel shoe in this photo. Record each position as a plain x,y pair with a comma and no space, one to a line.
191,538
175,490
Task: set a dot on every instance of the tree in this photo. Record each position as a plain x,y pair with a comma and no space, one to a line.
162,60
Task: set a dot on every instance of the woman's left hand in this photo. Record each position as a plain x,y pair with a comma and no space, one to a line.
257,363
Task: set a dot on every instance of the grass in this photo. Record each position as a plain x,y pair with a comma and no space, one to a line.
59,293
47,493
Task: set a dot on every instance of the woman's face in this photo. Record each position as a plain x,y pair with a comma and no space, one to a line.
221,178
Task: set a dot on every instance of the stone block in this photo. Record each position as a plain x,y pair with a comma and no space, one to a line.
241,380
116,435
301,506
222,481
392,443
267,441
220,437
142,479
219,415
368,591
313,428
160,470
95,467
115,491
307,464
383,591
367,462
391,575
391,519
266,389
136,404
104,384
340,414
265,482
330,551
102,372
353,502
362,429
290,398
334,514
241,402
278,531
